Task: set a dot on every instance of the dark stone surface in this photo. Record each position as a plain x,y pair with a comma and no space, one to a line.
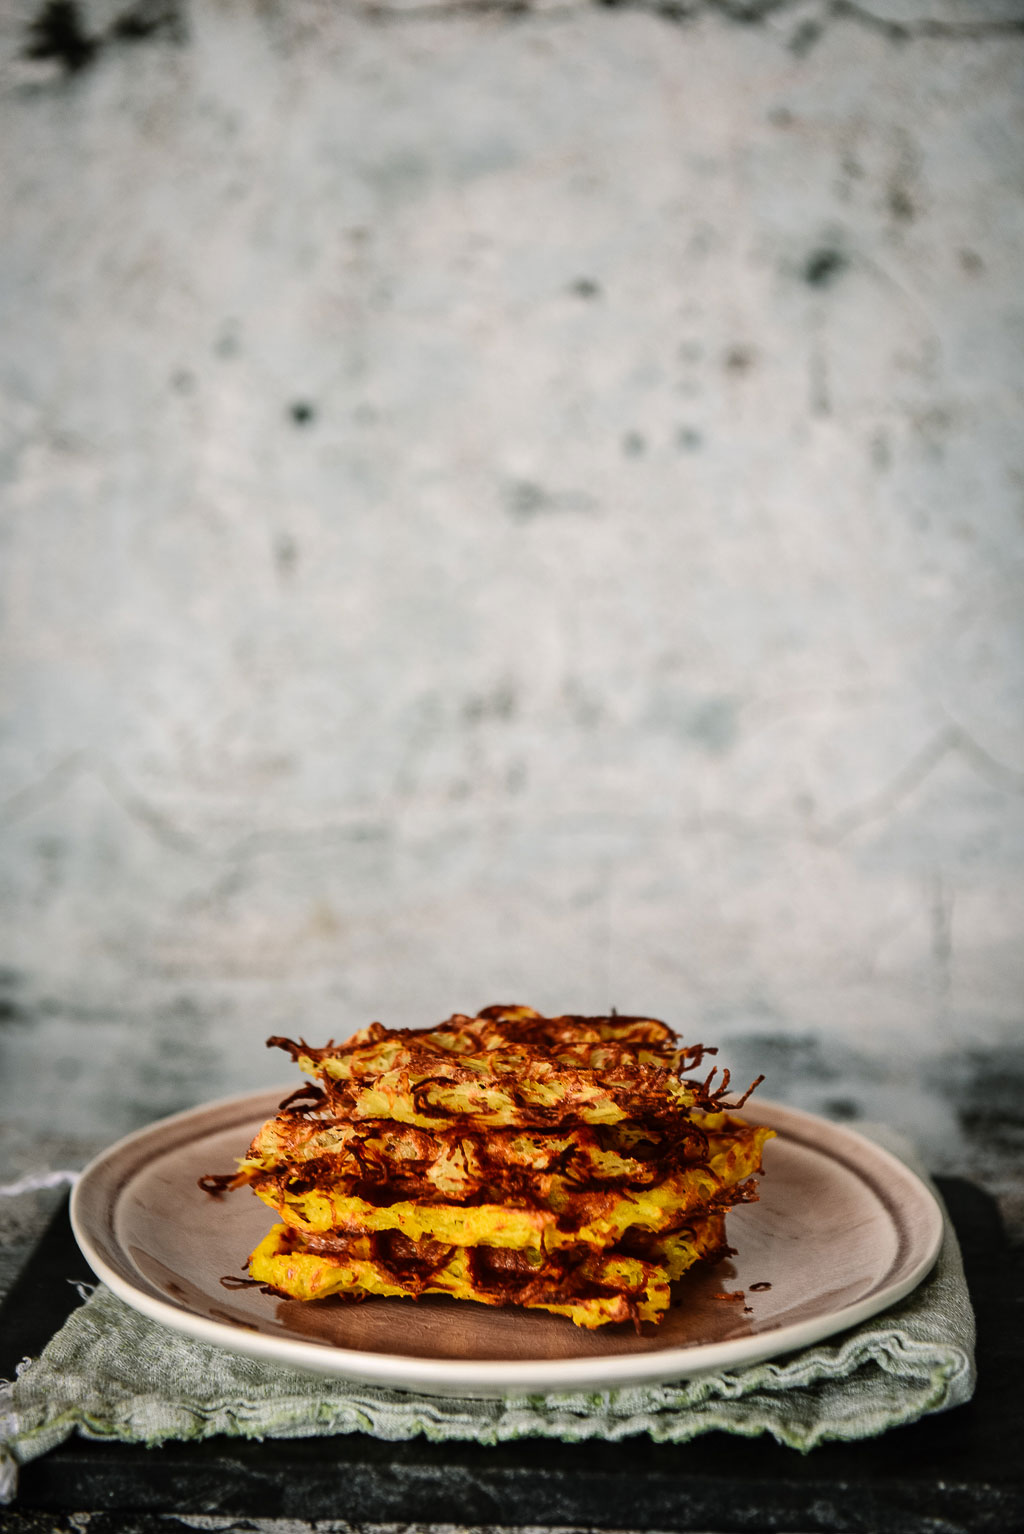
956,1472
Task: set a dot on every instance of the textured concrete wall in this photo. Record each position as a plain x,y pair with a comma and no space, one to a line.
510,505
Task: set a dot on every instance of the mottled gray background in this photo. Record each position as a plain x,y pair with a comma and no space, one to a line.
512,502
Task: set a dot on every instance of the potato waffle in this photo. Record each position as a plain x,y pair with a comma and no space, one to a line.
564,1164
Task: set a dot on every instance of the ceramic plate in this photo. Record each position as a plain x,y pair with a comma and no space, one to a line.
842,1230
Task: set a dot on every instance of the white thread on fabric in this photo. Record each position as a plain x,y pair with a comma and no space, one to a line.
8,1420
8,1475
34,1181
9,1427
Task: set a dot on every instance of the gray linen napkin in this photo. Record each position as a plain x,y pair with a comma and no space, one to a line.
112,1373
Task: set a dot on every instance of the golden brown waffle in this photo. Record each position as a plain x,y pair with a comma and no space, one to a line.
562,1163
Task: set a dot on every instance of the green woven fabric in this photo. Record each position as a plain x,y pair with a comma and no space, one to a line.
111,1373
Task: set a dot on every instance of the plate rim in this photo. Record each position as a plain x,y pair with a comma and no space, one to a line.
513,1377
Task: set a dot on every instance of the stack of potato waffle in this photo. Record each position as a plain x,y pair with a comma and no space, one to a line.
564,1164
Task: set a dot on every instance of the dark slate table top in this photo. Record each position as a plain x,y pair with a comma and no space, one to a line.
963,1470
